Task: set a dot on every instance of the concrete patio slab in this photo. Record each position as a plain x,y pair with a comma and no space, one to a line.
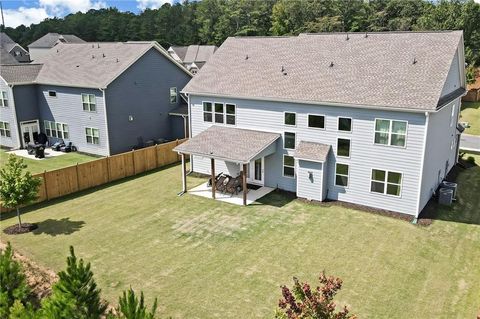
253,194
48,154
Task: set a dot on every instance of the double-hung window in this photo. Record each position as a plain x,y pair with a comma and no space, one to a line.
54,129
390,132
290,118
218,112
173,95
88,101
341,175
288,166
231,114
344,124
92,135
343,147
5,129
289,140
316,121
3,99
386,182
207,111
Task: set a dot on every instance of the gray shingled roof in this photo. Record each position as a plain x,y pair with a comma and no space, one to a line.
179,111
6,42
312,151
194,53
228,143
376,70
50,39
20,73
7,58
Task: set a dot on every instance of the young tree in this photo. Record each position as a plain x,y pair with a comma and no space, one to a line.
303,303
130,307
75,295
17,186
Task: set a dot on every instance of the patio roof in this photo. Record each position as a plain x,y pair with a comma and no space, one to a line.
311,151
230,144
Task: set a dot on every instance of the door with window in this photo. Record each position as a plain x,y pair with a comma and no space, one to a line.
256,171
30,132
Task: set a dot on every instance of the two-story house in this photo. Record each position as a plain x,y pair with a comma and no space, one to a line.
366,118
42,46
105,98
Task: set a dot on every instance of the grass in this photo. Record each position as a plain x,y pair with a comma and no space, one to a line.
207,259
471,113
48,164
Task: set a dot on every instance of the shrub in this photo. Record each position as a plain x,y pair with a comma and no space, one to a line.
130,307
19,311
471,159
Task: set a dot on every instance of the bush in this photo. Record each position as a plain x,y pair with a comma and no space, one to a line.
13,284
19,311
471,159
130,307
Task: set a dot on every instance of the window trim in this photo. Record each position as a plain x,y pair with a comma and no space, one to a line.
211,112
349,147
294,144
4,129
386,182
289,125
170,95
317,128
234,115
85,132
348,176
89,104
4,99
338,124
294,167
390,133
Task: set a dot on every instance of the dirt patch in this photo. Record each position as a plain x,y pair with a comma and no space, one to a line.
16,229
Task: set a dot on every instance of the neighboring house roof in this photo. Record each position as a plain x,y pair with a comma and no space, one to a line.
399,70
49,40
194,53
7,58
7,45
6,42
182,110
312,151
20,73
228,143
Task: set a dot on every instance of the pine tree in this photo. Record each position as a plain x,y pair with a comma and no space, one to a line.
130,307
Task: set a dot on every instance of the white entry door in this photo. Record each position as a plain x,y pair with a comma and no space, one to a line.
30,132
256,172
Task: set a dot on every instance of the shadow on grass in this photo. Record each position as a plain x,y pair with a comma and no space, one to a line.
277,198
470,105
55,227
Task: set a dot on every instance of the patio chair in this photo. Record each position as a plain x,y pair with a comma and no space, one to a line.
235,186
209,183
219,182
223,186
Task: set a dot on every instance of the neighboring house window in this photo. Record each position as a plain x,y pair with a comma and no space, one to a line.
231,114
3,99
62,130
5,129
53,129
341,175
218,112
288,166
385,182
173,95
316,121
390,132
52,93
88,101
345,124
289,140
343,147
290,118
92,135
48,130
207,111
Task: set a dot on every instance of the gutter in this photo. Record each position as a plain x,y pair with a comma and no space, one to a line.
106,119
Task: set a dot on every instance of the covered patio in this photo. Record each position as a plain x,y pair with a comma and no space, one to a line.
228,144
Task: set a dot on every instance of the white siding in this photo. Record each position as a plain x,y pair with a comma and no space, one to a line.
310,188
7,114
453,79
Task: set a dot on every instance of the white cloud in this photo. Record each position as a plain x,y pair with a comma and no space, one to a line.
26,16
62,7
151,4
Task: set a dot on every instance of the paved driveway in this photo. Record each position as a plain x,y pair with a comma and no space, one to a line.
470,143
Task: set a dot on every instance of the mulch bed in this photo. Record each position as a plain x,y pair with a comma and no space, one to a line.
15,230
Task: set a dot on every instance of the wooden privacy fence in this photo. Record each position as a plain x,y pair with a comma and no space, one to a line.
68,180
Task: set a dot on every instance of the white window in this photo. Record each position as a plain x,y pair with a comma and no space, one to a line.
54,129
453,113
207,111
289,140
343,147
89,103
231,110
344,124
288,166
316,121
219,109
3,99
92,135
390,132
173,95
290,119
52,93
5,129
46,125
386,182
341,175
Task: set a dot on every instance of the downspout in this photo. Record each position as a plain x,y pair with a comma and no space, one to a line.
106,119
425,133
17,125
190,131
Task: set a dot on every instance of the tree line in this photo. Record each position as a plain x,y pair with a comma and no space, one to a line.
212,21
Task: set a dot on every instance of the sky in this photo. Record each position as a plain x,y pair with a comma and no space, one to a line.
17,12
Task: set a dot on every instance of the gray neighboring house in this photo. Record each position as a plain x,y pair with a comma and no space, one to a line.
105,98
41,46
369,119
12,52
193,57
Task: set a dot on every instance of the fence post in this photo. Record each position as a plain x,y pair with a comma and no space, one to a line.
156,156
78,179
45,184
133,161
108,168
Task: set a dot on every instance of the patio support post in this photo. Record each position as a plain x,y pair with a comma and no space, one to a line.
184,173
212,161
244,181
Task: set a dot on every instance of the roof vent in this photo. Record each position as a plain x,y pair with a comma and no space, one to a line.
57,50
117,60
93,56
246,57
284,72
366,35
78,66
93,45
103,54
348,38
98,45
331,64
414,60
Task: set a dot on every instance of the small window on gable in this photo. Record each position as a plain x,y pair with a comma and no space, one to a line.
345,124
290,118
207,111
316,121
289,140
173,95
52,93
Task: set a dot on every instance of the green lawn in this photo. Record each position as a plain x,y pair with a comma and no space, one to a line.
471,113
207,259
48,164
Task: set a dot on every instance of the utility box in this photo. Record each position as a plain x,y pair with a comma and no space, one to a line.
450,185
445,196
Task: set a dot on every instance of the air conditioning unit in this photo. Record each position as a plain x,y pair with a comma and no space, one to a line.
445,196
452,186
